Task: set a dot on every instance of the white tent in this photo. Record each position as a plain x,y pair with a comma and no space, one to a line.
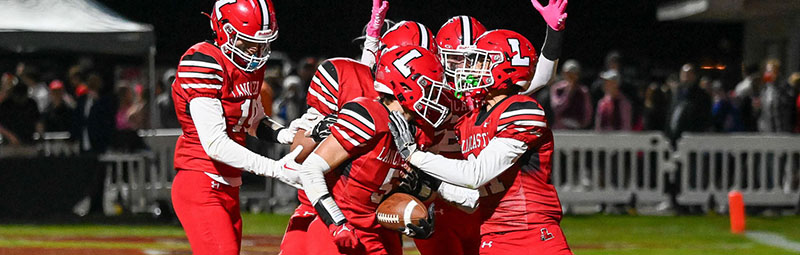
75,25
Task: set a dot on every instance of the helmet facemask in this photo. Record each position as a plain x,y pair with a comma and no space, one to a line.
238,53
432,106
476,73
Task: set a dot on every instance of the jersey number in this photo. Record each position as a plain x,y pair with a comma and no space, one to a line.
386,187
402,63
517,59
247,108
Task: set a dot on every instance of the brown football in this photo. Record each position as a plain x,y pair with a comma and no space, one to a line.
399,209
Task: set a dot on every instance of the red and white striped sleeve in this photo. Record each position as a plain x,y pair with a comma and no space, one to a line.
200,75
523,121
323,92
354,128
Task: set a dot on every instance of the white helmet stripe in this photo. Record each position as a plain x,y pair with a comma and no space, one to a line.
466,31
423,35
264,15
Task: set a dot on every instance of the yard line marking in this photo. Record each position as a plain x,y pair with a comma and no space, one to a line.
773,239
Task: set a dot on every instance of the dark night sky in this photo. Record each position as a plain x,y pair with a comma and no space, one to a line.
325,28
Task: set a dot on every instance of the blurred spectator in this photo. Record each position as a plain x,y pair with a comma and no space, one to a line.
745,95
19,115
725,115
129,112
611,63
305,71
7,81
129,118
58,115
95,116
37,90
166,108
289,105
267,96
794,81
570,100
614,109
656,108
691,109
777,111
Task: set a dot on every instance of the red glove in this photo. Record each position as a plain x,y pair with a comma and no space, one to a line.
553,13
344,236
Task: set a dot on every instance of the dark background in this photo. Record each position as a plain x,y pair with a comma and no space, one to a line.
594,27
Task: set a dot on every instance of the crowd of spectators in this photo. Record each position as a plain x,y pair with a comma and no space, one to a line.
685,101
100,113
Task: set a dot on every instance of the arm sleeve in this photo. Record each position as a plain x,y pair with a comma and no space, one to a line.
462,196
312,174
546,67
499,155
368,55
208,119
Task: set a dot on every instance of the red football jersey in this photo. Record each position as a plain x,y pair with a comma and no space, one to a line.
338,81
446,142
374,165
204,72
523,194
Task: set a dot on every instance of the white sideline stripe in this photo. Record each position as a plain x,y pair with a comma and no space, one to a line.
772,239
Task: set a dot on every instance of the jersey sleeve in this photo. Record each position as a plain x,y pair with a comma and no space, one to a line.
200,75
323,92
523,121
354,128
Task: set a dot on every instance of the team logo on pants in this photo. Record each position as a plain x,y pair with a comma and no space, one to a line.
486,244
546,235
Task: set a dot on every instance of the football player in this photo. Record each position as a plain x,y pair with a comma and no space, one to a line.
408,79
216,99
459,231
507,145
336,82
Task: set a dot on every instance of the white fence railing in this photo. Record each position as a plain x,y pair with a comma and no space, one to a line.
766,169
610,168
588,168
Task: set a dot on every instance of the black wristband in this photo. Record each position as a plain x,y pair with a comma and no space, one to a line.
266,133
328,217
552,44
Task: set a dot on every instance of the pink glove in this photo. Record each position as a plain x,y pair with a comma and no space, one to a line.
379,9
553,13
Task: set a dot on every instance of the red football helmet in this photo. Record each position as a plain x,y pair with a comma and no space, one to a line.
406,33
414,76
244,30
498,60
457,31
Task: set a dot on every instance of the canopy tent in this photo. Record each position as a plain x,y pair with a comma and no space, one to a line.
75,25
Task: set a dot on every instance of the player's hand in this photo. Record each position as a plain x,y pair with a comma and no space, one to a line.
289,174
425,228
323,129
418,183
402,133
554,13
275,170
379,9
344,236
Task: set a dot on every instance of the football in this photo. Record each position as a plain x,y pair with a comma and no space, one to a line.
399,209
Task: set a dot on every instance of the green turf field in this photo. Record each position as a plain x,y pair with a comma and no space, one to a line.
595,234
